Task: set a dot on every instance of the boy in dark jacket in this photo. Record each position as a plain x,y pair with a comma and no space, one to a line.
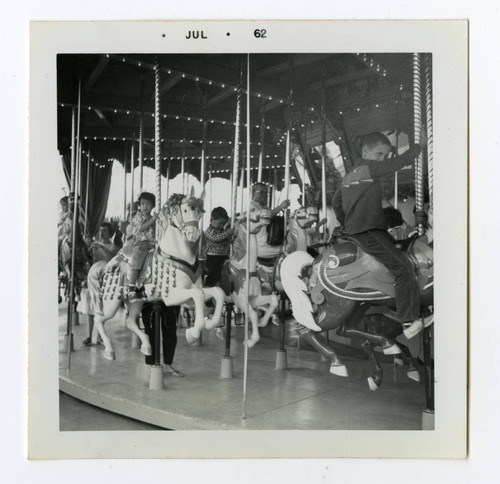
358,207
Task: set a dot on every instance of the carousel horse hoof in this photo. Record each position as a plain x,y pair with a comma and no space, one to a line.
219,332
146,350
108,354
190,338
399,362
339,370
372,384
210,323
413,375
251,342
394,349
275,320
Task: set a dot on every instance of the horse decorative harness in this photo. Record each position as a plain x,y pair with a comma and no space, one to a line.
345,270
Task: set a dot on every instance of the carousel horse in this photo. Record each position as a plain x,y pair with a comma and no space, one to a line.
301,234
336,290
64,261
171,273
233,276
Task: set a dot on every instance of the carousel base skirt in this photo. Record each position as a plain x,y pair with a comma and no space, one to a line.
303,396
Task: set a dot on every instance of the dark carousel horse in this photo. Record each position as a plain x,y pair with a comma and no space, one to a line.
337,289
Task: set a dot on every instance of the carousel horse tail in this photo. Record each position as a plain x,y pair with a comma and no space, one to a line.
296,289
94,286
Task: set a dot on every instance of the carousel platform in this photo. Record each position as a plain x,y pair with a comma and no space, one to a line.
304,396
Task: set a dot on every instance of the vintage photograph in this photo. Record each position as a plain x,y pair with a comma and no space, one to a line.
245,241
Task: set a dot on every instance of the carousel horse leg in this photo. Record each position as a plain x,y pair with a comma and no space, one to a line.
254,337
131,322
406,359
181,296
374,381
336,365
348,330
109,311
217,294
271,301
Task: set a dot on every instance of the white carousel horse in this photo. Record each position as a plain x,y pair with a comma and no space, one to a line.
234,281
171,273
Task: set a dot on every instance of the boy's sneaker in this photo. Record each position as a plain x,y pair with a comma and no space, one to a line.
418,325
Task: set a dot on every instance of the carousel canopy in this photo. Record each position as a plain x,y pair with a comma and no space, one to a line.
348,94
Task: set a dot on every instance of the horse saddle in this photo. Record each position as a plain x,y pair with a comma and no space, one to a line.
347,271
233,278
145,273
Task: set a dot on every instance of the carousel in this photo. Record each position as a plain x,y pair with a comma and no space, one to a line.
299,332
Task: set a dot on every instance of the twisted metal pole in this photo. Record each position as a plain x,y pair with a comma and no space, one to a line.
261,141
417,127
428,116
236,159
323,148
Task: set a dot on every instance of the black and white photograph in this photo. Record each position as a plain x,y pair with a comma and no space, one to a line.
243,239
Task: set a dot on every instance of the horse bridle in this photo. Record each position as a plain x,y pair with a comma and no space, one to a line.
183,225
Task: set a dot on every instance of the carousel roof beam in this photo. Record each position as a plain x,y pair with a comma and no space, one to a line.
299,61
98,70
334,81
224,94
270,106
120,132
170,83
103,117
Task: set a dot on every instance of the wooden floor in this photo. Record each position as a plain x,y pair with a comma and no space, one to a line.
304,396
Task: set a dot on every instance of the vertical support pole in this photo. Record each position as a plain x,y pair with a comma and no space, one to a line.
183,166
262,135
428,118
304,154
323,149
396,187
247,268
156,382
125,183
141,139
236,159
202,166
287,147
417,127
210,188
87,193
226,370
75,170
132,167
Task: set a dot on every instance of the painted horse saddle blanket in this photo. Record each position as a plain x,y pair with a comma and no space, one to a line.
347,271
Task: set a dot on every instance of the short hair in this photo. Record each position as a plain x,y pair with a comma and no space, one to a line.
147,196
218,213
370,140
64,199
110,228
257,185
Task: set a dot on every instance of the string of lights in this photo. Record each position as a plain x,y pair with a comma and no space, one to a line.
200,79
133,113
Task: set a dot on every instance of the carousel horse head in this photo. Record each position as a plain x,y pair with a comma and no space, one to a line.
258,219
306,216
184,212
